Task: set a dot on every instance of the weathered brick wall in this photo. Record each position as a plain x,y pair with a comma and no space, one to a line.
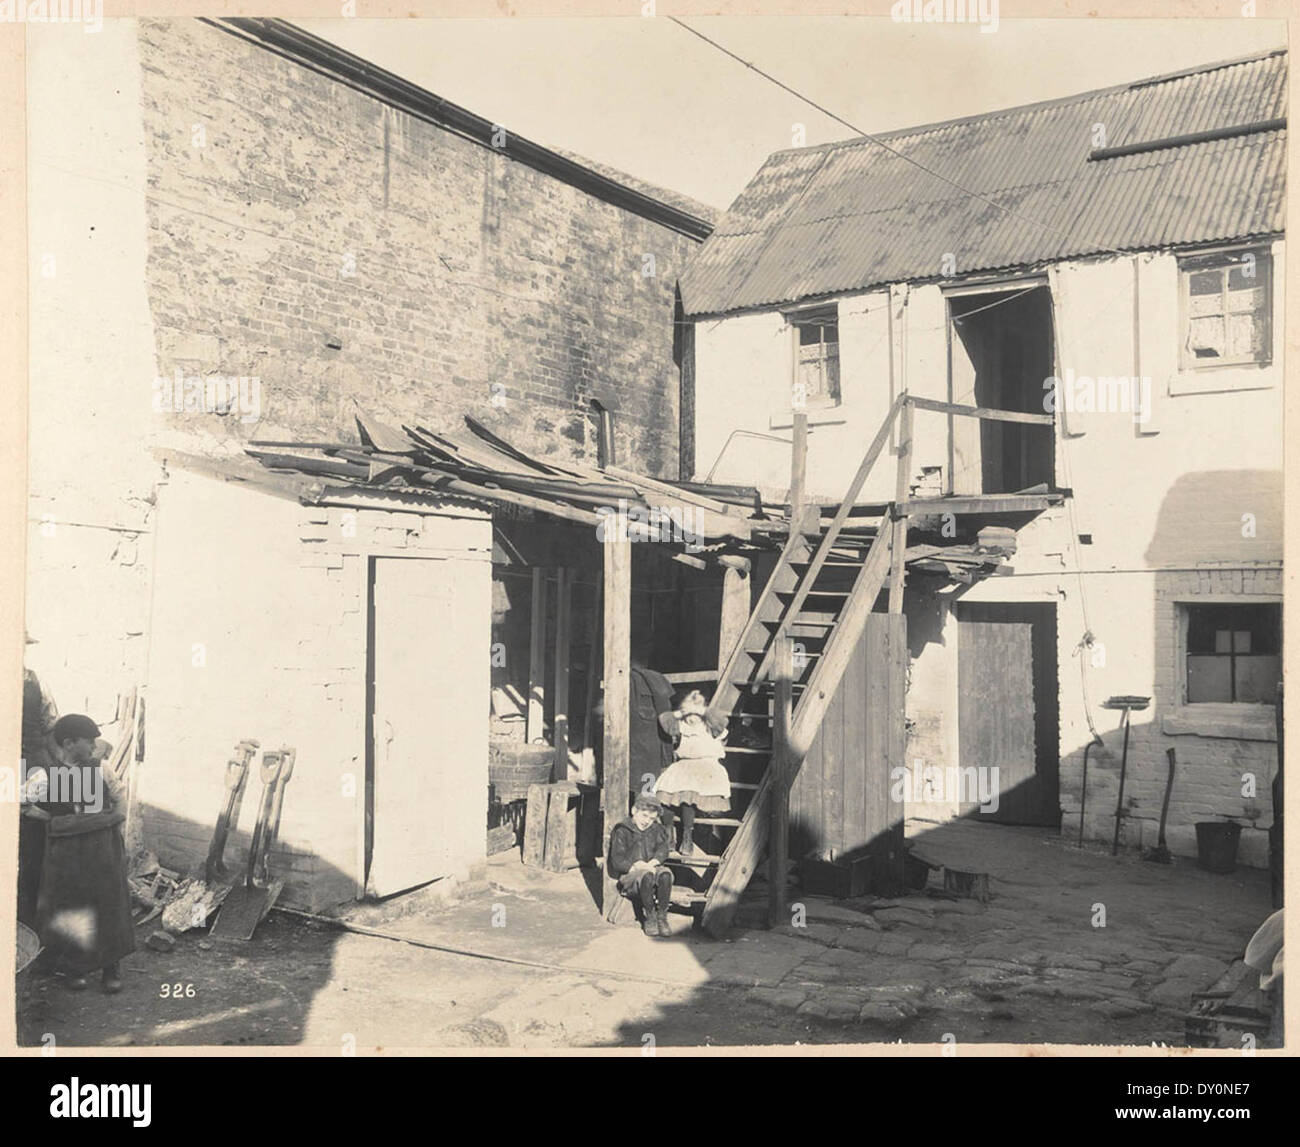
288,212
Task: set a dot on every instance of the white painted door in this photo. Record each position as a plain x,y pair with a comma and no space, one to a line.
430,656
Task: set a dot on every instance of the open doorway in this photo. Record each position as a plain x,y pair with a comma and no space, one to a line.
1001,351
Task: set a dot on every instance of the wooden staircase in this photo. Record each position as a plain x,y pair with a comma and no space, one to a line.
783,673
815,606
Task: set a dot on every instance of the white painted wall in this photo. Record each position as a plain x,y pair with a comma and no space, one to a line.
259,630
1162,503
92,365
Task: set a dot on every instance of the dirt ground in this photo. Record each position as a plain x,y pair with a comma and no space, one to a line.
1073,946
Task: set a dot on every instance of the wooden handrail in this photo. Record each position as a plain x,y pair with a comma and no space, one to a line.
833,530
792,544
984,412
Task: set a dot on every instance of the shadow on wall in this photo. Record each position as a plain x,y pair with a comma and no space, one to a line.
1216,666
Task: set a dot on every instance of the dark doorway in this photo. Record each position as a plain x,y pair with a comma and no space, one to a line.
1001,353
1008,705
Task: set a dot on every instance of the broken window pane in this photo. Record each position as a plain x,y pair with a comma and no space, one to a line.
1206,338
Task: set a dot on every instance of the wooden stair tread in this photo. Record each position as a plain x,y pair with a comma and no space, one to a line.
695,860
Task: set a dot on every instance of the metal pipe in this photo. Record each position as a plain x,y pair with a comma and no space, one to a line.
1123,768
1083,796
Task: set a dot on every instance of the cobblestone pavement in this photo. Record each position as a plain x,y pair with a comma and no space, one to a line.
1072,945
1037,963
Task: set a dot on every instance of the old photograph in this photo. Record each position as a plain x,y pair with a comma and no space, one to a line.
651,531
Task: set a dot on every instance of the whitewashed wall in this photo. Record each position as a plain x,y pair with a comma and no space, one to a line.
1162,503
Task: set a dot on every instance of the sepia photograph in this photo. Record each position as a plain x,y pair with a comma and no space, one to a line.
648,531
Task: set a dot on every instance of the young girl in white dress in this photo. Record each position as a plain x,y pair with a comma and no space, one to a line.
696,779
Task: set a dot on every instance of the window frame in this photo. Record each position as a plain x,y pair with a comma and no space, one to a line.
1223,260
795,320
1184,609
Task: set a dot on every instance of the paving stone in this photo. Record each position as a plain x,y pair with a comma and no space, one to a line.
1206,969
993,977
1111,980
847,958
891,916
973,924
819,973
1001,950
932,952
1080,992
832,913
860,940
829,1008
920,903
887,993
1121,1008
1037,989
1069,960
1008,966
1144,968
1174,993
788,999
909,972
892,1014
819,933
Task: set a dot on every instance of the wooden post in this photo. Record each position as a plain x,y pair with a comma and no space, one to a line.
537,660
898,536
560,723
593,666
779,808
798,466
735,614
618,655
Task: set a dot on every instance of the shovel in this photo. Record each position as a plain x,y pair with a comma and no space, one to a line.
248,903
215,870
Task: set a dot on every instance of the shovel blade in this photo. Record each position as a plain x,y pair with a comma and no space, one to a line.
243,910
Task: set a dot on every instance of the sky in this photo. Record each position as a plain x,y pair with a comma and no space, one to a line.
647,97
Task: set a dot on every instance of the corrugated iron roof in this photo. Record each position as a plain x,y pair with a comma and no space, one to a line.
850,215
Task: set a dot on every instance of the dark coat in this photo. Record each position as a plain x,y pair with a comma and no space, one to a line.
650,749
628,844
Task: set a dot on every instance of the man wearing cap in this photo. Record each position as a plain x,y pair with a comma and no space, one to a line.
84,908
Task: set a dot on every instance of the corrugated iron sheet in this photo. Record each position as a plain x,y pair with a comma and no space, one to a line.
849,216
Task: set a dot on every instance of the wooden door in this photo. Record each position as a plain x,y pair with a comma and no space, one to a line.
429,666
1007,707
840,806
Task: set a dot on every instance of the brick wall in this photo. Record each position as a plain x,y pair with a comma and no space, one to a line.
306,234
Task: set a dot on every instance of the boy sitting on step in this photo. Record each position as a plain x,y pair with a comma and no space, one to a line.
638,847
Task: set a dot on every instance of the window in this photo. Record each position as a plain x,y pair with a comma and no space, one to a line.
1227,309
1233,653
817,357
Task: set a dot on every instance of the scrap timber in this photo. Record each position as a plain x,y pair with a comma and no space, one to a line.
698,524
826,566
